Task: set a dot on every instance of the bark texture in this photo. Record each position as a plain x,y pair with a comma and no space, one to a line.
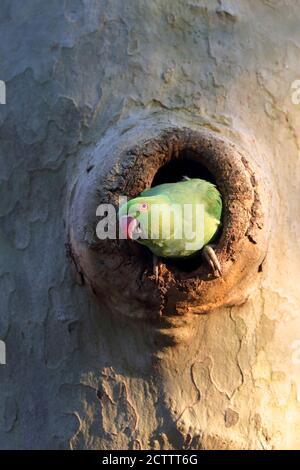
77,376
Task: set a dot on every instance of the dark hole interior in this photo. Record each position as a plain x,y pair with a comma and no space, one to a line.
176,169
173,172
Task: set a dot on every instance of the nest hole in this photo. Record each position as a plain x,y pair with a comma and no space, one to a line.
172,172
120,272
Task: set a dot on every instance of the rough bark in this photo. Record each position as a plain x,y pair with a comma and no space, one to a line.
77,376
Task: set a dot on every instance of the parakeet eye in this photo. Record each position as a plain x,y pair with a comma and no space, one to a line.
144,207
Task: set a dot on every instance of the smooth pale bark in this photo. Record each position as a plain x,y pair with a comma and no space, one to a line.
75,376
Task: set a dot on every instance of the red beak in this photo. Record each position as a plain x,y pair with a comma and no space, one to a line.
128,225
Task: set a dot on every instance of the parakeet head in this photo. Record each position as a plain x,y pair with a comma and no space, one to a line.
135,216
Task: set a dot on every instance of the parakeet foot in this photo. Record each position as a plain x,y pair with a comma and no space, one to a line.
212,259
156,267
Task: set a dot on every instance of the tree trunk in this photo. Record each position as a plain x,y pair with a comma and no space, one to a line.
77,375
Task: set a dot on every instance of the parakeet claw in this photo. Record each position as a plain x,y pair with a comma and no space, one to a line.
156,267
211,257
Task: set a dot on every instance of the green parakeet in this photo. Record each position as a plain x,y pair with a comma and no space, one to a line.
175,220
